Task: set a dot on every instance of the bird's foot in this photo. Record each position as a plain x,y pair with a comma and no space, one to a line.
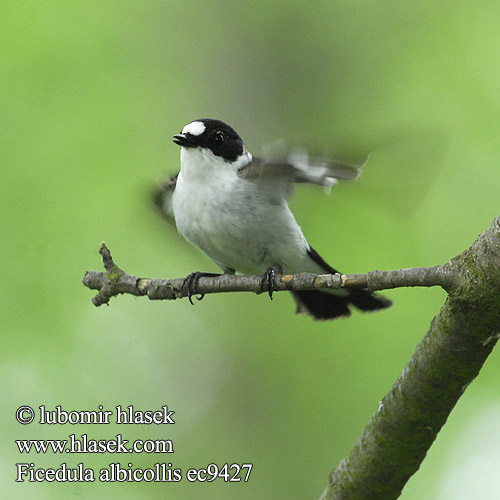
191,283
268,282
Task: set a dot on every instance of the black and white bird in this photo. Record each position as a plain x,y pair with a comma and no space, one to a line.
233,206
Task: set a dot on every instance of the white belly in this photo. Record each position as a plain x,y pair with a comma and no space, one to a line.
239,225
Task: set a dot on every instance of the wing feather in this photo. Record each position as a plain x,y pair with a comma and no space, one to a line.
162,198
297,166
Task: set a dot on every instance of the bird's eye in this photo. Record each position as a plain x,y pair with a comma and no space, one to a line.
219,137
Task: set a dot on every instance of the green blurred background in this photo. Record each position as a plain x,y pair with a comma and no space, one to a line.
91,94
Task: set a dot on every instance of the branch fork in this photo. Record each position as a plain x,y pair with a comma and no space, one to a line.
449,357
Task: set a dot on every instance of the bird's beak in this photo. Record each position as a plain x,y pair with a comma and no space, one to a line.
184,140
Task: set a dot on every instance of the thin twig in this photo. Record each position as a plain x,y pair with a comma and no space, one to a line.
114,281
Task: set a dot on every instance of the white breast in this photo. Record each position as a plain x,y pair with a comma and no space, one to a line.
239,224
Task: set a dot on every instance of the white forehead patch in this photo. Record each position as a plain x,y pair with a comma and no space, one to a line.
194,128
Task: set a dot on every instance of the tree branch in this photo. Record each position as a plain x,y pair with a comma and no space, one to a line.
114,281
460,338
449,357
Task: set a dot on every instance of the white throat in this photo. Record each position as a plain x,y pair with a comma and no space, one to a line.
201,164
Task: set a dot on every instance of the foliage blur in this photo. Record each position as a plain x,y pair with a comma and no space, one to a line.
91,93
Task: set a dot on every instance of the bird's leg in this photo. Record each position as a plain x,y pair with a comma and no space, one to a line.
268,280
191,283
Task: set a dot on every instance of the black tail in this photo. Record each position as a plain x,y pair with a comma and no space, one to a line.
328,305
324,305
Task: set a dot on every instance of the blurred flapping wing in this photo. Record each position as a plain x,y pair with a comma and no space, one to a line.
297,166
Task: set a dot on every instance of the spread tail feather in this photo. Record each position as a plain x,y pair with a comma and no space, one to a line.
323,305
329,305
